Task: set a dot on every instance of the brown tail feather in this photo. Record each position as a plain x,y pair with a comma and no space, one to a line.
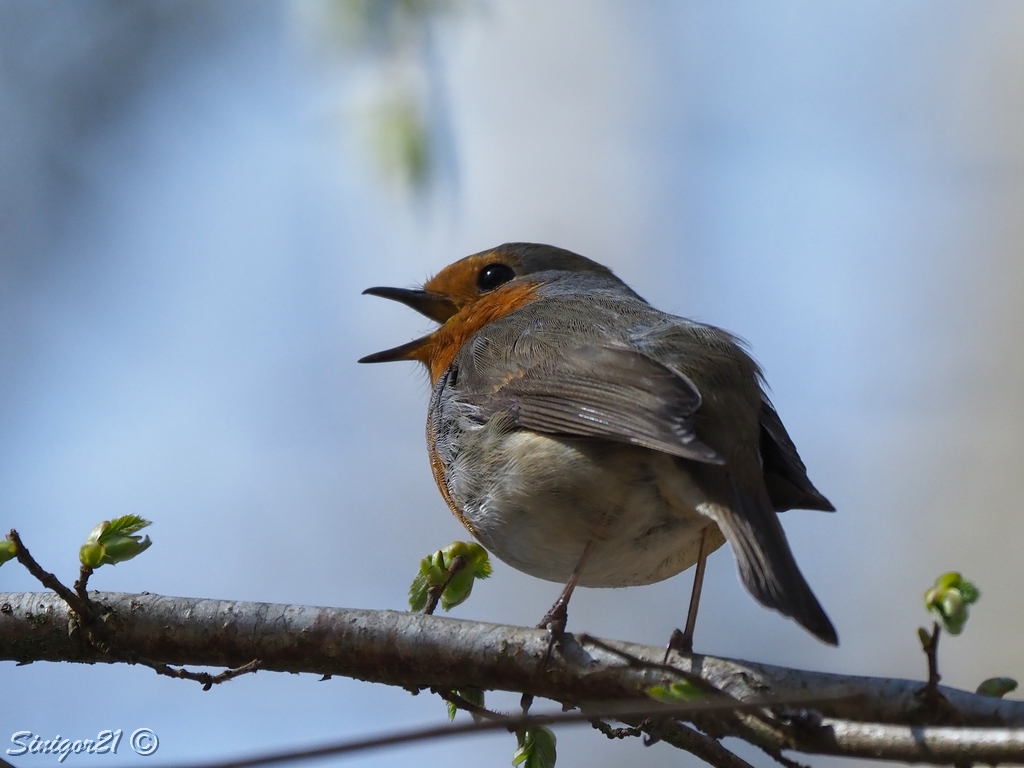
766,564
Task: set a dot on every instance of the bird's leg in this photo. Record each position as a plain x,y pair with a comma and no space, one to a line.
555,619
698,586
682,642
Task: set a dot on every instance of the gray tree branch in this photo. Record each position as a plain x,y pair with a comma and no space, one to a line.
851,716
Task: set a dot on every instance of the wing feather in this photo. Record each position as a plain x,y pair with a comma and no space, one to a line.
608,392
785,475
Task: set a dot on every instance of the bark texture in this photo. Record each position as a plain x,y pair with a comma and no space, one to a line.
850,716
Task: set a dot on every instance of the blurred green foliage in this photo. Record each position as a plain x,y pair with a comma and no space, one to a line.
997,687
405,106
948,601
536,748
676,692
8,550
389,24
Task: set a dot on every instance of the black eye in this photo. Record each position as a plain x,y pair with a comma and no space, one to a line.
493,275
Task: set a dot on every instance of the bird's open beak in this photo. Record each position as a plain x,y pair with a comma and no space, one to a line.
409,351
437,308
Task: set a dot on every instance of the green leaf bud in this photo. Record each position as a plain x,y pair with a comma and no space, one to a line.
436,571
91,555
681,690
119,549
536,748
924,636
949,599
8,550
112,542
997,687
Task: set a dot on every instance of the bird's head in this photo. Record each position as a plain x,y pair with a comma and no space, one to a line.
477,290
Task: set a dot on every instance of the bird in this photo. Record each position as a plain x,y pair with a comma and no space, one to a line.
584,437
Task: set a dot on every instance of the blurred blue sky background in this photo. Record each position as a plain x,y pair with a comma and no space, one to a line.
193,195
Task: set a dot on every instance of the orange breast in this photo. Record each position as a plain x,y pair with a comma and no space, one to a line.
447,340
440,473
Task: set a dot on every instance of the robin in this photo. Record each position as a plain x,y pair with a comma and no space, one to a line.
587,438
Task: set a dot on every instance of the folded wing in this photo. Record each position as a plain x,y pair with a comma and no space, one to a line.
607,392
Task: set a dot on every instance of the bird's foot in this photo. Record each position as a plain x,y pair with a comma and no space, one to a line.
554,622
680,642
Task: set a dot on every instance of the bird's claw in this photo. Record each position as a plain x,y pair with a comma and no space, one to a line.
680,642
554,622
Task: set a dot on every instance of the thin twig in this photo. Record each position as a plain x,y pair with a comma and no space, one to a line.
434,593
780,758
466,705
931,651
82,585
639,663
935,705
616,733
82,606
753,723
678,735
696,743
204,678
48,580
525,702
614,710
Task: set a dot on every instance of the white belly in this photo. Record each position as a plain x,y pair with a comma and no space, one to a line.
538,500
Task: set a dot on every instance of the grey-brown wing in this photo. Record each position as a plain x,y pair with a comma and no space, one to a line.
608,392
785,475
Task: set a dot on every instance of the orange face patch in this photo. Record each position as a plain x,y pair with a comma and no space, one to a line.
458,282
440,348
